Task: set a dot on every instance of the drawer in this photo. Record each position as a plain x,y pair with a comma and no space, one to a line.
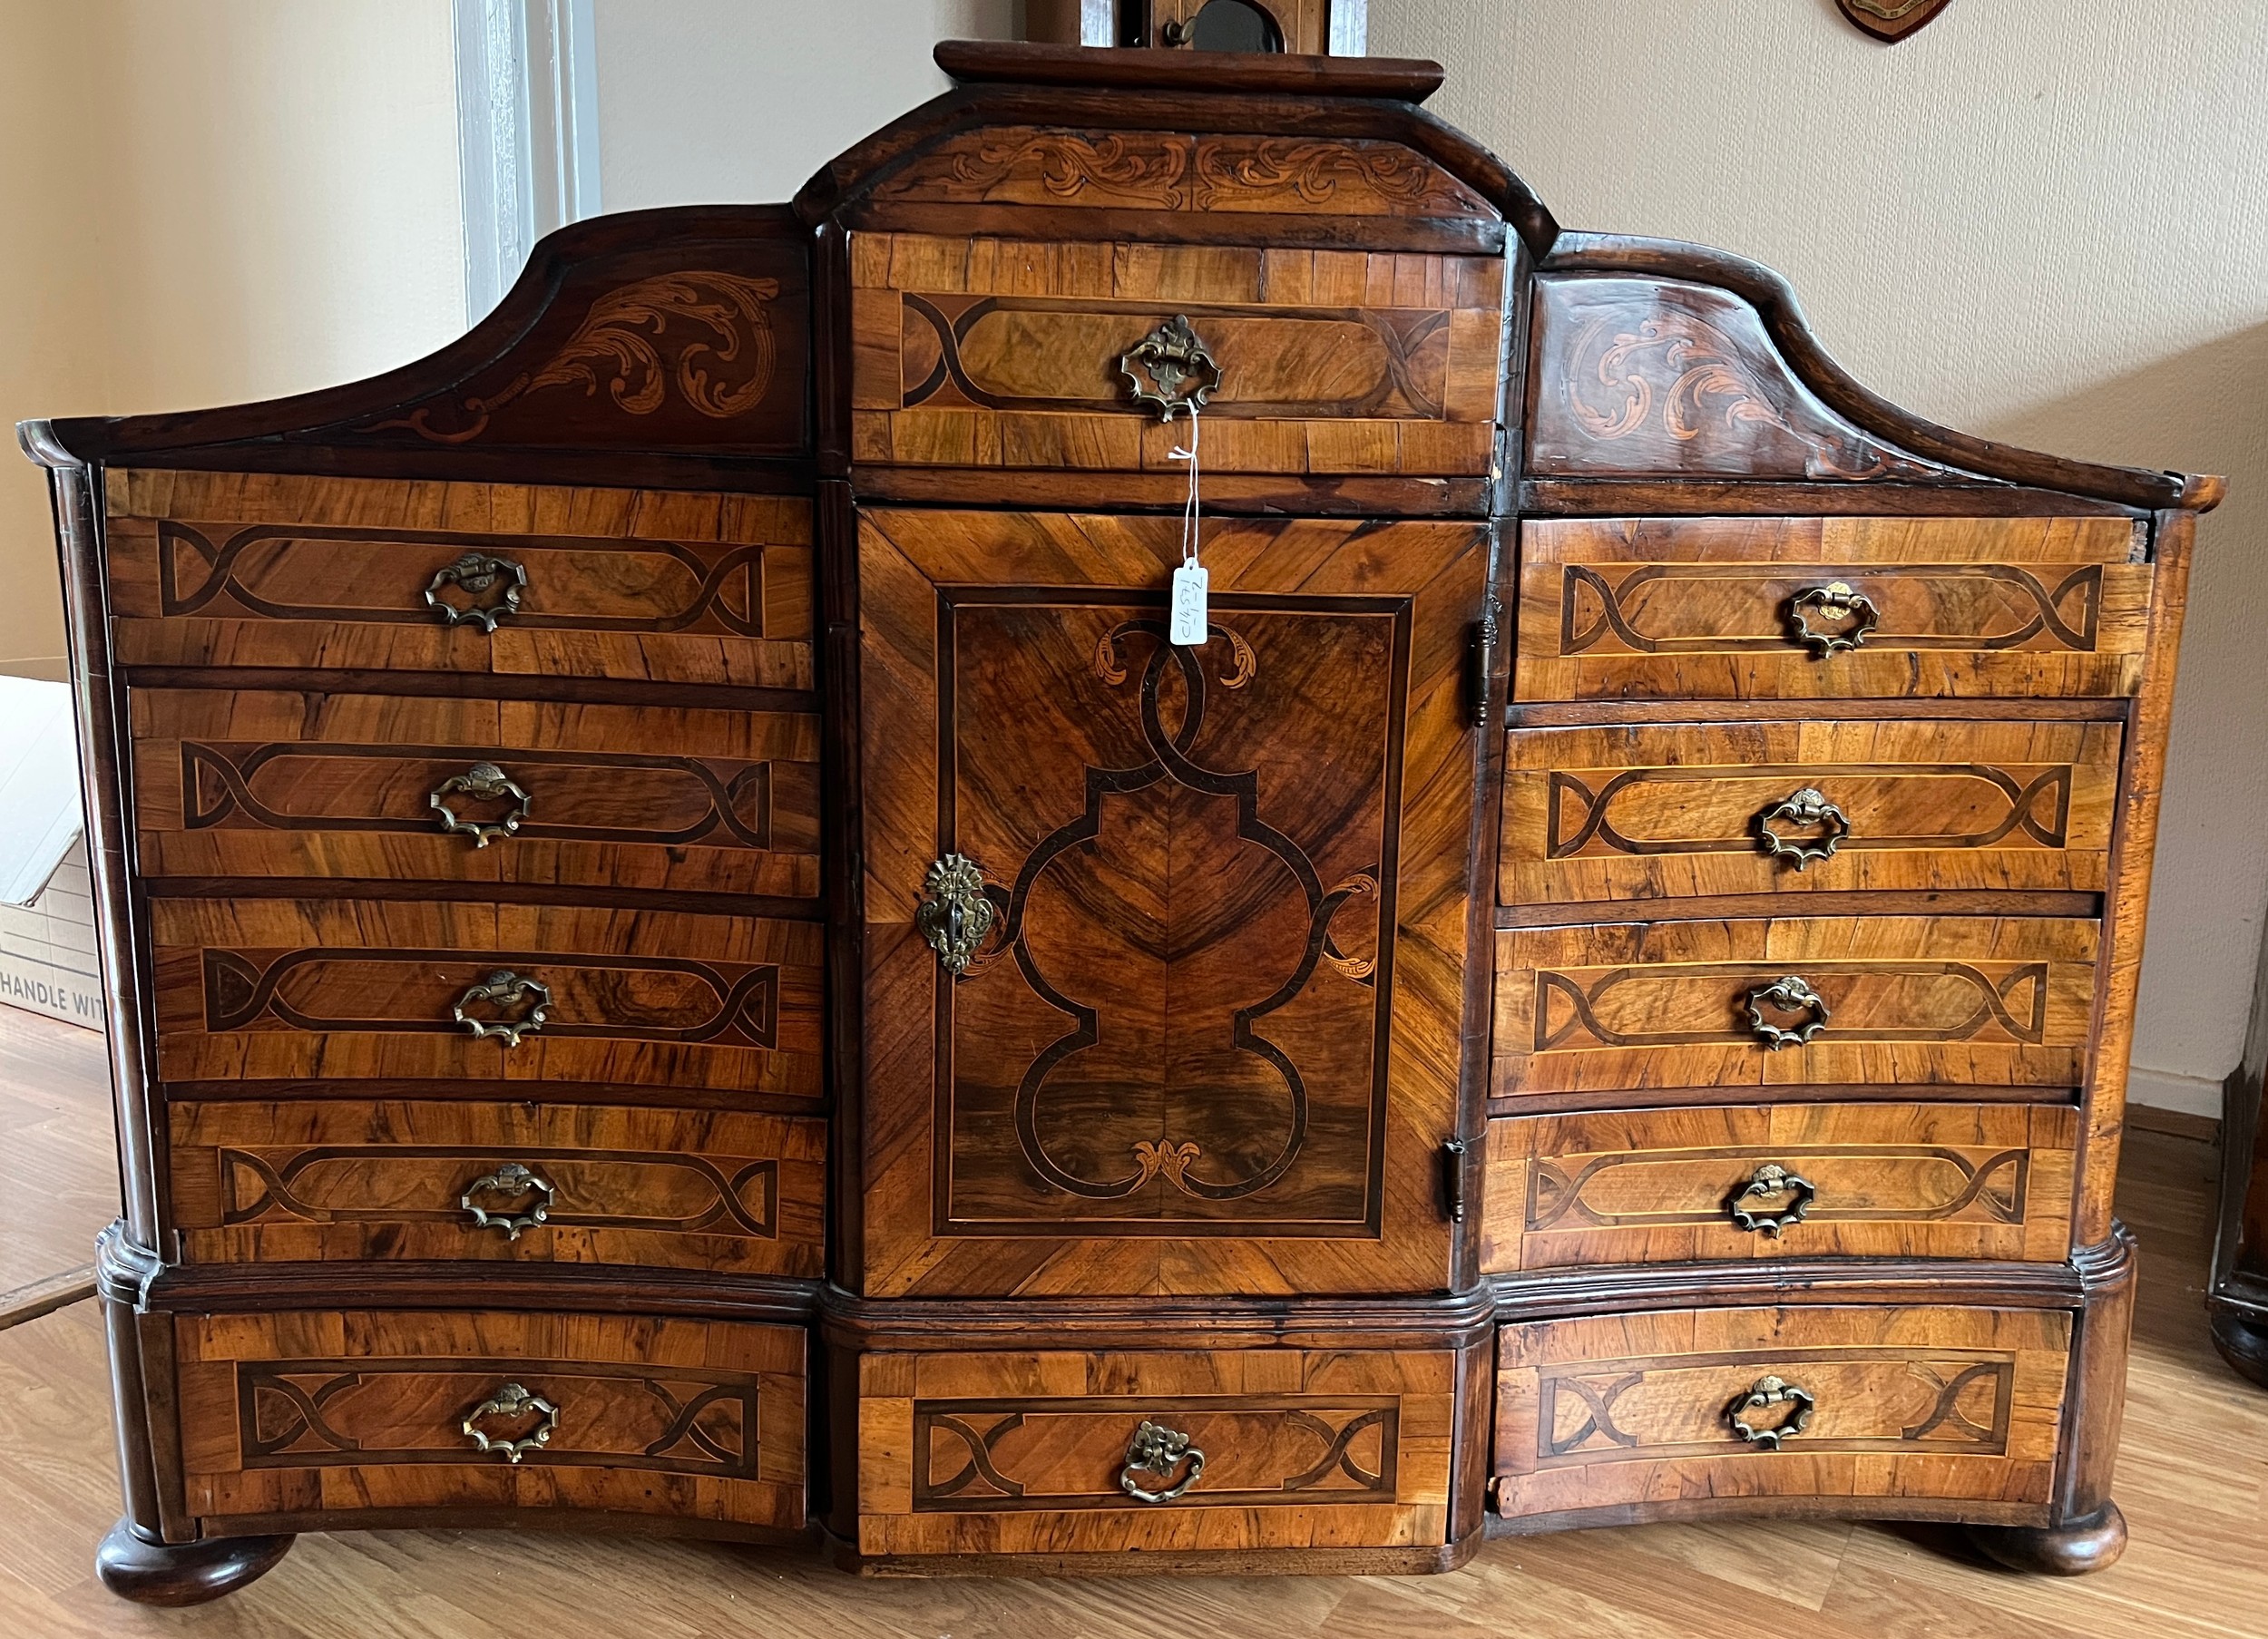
339,1178
1017,1453
316,785
1717,607
346,991
997,352
1939,1403
1908,1001
366,1411
1655,811
230,570
1986,1180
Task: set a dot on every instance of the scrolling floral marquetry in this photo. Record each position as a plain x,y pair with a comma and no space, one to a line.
1158,171
1642,377
705,336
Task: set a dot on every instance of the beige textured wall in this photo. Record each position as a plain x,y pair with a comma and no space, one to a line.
206,201
702,101
2040,220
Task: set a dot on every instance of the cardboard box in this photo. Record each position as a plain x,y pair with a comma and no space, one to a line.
47,963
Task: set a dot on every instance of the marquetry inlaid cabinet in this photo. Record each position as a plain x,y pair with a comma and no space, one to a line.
691,943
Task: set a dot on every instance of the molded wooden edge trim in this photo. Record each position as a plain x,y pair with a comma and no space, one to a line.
1446,1321
855,172
148,440
1792,903
1715,495
506,1518
1599,1101
981,62
1945,1511
548,688
1558,1293
687,902
1435,236
1775,302
1172,1562
131,1274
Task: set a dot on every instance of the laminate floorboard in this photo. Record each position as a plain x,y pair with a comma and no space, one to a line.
58,1162
2193,1478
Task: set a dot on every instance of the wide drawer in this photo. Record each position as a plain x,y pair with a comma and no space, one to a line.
998,353
385,787
1912,1403
348,991
1988,1181
1720,607
1656,811
339,1178
1907,1000
1016,1453
216,569
356,1410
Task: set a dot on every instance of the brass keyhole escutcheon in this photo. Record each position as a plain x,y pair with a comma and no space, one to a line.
1159,1451
954,915
1180,371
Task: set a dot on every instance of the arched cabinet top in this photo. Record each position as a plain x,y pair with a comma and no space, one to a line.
707,346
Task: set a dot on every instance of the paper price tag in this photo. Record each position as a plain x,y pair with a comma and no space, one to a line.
1186,624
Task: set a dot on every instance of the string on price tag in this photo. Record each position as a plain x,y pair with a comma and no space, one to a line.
1185,625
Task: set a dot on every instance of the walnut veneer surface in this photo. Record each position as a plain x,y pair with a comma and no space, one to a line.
685,953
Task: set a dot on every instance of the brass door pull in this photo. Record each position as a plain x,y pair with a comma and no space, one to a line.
954,916
504,988
477,574
1771,1181
1790,995
513,1182
512,1402
1157,1450
1808,806
1767,1392
1834,601
1182,373
484,782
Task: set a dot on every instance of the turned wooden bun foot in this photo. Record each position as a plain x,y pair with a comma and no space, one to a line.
2243,1344
188,1572
2092,1544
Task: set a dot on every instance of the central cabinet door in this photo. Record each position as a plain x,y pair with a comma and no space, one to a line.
1206,1037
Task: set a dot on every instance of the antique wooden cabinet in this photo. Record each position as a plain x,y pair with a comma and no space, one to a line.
688,950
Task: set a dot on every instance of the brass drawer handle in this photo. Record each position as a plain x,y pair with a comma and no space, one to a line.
1790,995
954,916
1767,1392
1772,1180
512,1402
513,1182
504,988
1834,601
1182,373
1808,806
476,574
484,782
1158,1451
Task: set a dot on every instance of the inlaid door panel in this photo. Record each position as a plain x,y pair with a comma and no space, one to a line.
1939,1402
237,570
1616,609
1209,1042
337,1178
1655,811
1885,1000
1988,1181
1001,353
387,787
367,1409
1016,1453
342,992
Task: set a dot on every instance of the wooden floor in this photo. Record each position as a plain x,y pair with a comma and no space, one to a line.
58,1162
2193,1478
